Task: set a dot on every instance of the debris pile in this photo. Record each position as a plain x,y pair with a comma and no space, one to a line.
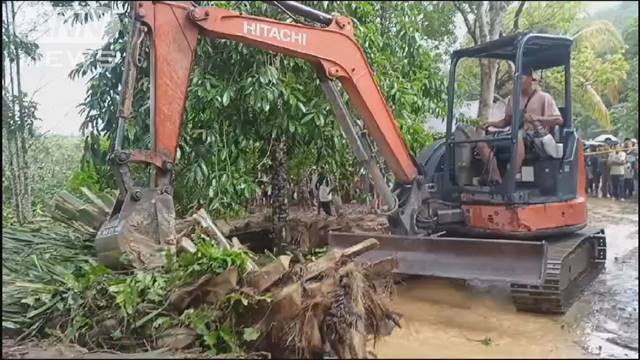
211,295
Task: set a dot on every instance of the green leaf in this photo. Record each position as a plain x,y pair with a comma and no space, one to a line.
250,334
225,98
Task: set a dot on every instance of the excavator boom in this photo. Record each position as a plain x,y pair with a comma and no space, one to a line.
174,29
144,217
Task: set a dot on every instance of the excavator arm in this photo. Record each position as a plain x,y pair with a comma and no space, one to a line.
174,28
143,218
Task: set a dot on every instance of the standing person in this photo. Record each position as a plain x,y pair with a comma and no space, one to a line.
314,189
375,204
305,190
324,187
617,160
588,174
604,170
629,169
356,189
595,171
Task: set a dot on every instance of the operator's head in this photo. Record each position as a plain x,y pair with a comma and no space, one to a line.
526,80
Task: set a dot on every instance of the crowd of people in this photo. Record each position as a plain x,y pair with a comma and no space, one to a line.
612,170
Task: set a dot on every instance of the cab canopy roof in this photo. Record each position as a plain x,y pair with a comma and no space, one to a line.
541,51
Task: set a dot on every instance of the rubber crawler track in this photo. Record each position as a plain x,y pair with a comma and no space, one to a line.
572,264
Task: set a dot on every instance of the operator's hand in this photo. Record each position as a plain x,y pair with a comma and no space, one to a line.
485,125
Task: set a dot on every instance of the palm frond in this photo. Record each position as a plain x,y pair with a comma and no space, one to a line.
601,36
593,102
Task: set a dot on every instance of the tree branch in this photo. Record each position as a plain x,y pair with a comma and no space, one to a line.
516,19
471,30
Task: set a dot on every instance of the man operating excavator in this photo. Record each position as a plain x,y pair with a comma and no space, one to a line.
540,115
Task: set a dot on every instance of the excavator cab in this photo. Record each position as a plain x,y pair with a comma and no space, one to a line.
549,173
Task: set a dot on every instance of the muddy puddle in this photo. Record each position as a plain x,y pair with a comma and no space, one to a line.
452,319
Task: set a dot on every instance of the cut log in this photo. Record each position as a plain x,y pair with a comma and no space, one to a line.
210,228
331,258
361,248
319,290
327,261
382,267
187,245
209,289
263,278
287,302
177,338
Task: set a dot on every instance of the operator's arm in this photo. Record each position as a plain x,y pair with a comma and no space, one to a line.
502,123
505,121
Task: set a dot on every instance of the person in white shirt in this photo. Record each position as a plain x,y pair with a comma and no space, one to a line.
324,187
617,160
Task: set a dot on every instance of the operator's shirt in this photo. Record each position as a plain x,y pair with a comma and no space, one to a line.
541,104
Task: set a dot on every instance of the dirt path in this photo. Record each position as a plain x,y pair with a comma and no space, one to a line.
446,319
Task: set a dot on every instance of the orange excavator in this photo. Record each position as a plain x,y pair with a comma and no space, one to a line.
530,231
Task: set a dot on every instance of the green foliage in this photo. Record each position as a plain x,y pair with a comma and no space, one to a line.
54,160
239,104
625,116
51,282
553,17
598,65
208,258
85,177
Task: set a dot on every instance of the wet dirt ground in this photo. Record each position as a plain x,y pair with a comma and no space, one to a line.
452,319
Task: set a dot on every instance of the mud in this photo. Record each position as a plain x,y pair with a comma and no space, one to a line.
452,319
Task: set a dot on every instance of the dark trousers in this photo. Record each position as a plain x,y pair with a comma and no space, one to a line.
605,181
326,206
628,188
593,185
617,186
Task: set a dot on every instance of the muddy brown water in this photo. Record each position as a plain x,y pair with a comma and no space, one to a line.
452,319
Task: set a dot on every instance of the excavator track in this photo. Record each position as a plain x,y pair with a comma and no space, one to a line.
572,264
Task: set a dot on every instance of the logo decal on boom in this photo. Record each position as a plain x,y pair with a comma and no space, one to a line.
255,29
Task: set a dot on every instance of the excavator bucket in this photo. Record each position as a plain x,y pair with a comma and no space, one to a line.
544,276
141,225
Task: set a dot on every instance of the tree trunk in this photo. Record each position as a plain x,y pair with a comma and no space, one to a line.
16,188
19,133
22,136
487,84
280,196
489,17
